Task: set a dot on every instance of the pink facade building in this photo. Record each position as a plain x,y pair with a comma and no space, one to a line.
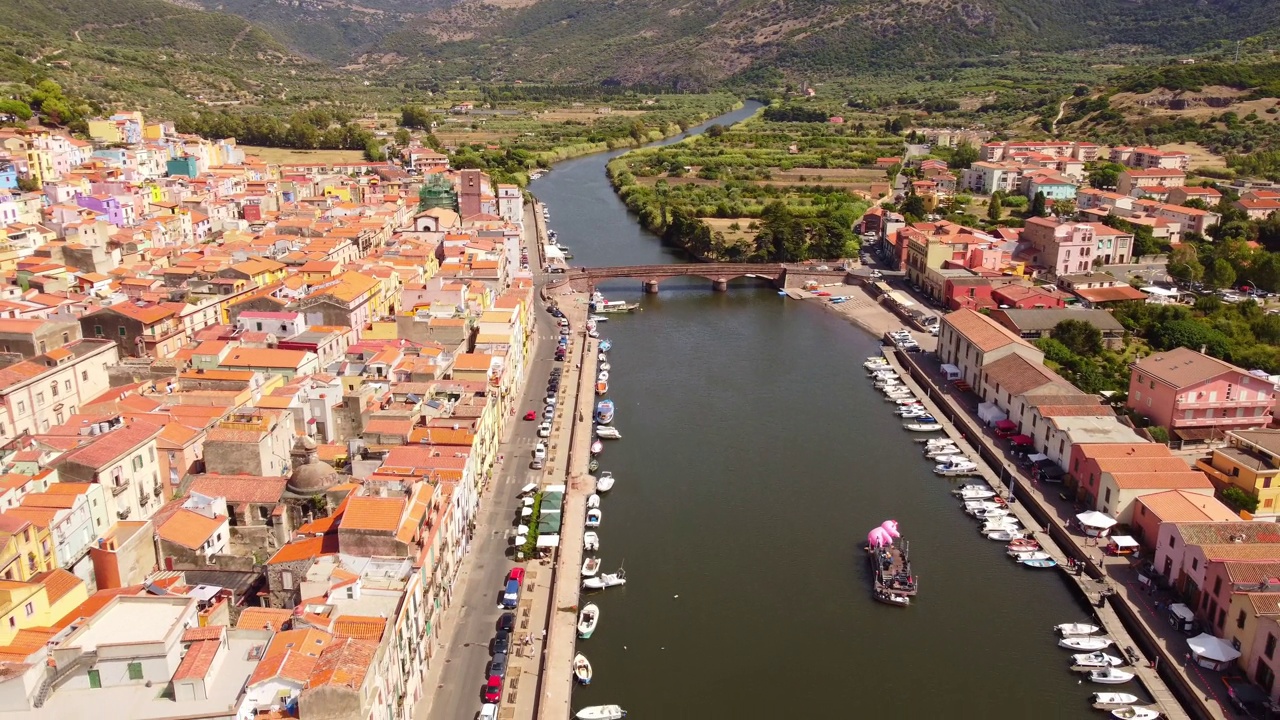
1063,248
1190,393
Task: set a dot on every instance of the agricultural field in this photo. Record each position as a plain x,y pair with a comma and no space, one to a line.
289,155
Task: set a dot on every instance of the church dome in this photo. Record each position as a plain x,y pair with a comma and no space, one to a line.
310,475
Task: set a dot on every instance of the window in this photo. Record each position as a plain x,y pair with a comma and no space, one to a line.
1217,586
135,671
123,332
95,679
259,326
151,453
286,578
137,462
1264,676
1270,649
1107,496
29,609
13,622
1173,541
1195,563
40,398
84,375
53,388
97,331
67,385
66,338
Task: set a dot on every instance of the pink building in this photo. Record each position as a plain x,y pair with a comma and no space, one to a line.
1196,396
1063,248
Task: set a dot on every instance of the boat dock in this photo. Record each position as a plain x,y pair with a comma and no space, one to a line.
555,682
1095,591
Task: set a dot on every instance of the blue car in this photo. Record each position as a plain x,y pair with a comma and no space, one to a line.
511,595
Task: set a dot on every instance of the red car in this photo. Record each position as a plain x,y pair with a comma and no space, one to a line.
517,574
531,415
493,689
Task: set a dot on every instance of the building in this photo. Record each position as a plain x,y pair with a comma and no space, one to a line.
48,389
124,462
1250,461
1112,477
1156,182
1032,324
1197,396
1171,506
970,341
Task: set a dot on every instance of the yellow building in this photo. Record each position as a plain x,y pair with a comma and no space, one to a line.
105,131
1250,461
39,603
25,550
153,131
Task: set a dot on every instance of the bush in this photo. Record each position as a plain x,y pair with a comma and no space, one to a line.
1239,499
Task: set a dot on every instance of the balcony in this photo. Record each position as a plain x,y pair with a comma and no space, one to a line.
1248,421
119,488
1206,404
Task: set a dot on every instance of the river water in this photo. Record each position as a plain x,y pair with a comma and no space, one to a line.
756,456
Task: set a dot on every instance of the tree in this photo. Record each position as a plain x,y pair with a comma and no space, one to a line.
715,130
913,209
1064,208
995,208
1038,204
1105,175
16,108
403,137
1078,336
963,156
1184,264
415,116
1220,274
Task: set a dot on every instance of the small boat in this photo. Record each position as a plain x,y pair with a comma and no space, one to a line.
602,376
596,447
1038,563
601,712
593,333
922,427
582,669
604,482
606,367
616,306
1087,644
904,396
594,465
1110,698
605,345
1005,535
889,598
594,516
1077,629
593,501
602,387
960,467
598,318
608,432
990,513
587,620
590,566
602,357
604,412
1109,676
1135,712
944,451
973,507
1023,556
975,494
590,541
607,580
999,525
1096,659
1025,543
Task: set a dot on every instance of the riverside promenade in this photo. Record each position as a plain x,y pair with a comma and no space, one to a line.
555,683
1113,611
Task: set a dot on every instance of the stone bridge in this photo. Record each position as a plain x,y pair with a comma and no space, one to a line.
586,279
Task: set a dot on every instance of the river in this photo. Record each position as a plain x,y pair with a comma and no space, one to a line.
756,456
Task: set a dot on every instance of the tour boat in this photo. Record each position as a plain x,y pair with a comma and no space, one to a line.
607,580
922,427
615,306
594,516
1134,712
891,570
1021,555
601,712
1088,644
1096,659
596,447
605,345
1110,676
604,482
582,669
1077,629
608,432
604,412
587,620
1112,698
590,541
602,387
593,501
590,566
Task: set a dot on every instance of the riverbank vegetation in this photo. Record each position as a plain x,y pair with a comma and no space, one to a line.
770,190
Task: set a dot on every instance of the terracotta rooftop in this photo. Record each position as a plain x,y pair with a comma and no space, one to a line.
288,665
1210,533
1016,375
360,627
190,529
206,632
241,488
1247,573
1118,293
985,333
373,513
198,660
108,447
344,663
260,618
1188,479
1181,367
1184,506
305,548
57,583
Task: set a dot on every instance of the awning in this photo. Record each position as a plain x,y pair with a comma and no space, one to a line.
1006,425
1037,457
1095,519
1124,541
528,488
1182,612
1212,648
900,299
952,372
548,541
991,413
1022,440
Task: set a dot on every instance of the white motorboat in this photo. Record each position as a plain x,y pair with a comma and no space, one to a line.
602,357
1077,629
944,451
608,432
958,467
601,712
965,494
596,447
590,541
937,441
587,620
599,318
1096,659
990,513
897,392
973,506
1087,644
606,367
913,400
590,566
884,373
903,396
593,501
1021,556
1135,712
594,516
922,427
582,669
1110,698
999,524
1005,535
607,580
604,482
1109,676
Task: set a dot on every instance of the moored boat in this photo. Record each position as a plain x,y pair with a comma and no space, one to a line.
1077,629
602,387
889,598
890,563
605,481
582,669
1038,563
590,541
1029,555
608,432
1005,535
587,620
593,500
606,345
1096,659
604,412
922,427
1089,643
1135,712
974,494
594,465
1109,676
601,712
594,516
1025,544
596,447
1113,698
606,580
590,566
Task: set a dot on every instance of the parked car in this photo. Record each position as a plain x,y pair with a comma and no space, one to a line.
502,641
493,689
498,665
507,622
540,451
535,464
544,430
510,596
488,711
517,574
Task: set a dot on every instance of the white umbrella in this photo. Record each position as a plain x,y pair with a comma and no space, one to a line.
522,530
1212,648
521,539
526,512
528,489
1095,519
528,502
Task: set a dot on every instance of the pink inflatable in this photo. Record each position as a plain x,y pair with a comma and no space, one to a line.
891,527
879,537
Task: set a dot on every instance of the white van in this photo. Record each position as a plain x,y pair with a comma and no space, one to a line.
488,711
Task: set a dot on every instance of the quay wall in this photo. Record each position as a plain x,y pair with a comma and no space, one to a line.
1187,695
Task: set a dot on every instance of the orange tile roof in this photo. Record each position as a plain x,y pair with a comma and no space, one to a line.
1183,506
241,488
372,513
288,665
306,548
57,583
305,640
259,618
1162,480
344,663
360,627
111,446
198,660
25,643
190,529
985,334
207,632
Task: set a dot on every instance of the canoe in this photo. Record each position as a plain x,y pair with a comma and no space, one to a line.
587,620
601,712
1077,629
1134,712
582,669
1085,643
